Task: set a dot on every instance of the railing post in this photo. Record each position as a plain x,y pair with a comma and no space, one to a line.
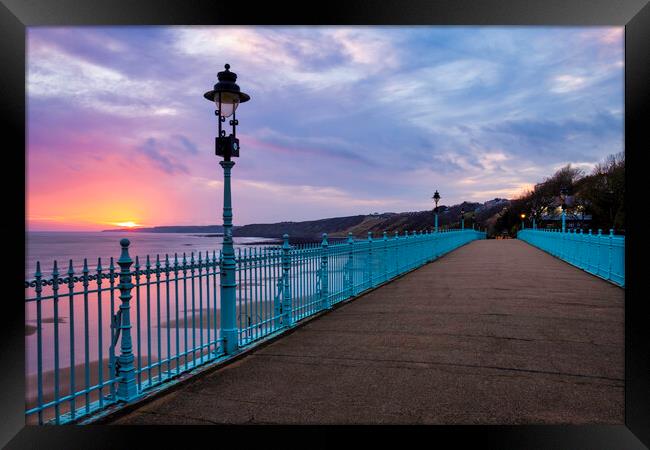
39,340
599,238
434,245
414,234
384,264
573,246
287,312
324,275
369,259
405,251
622,265
127,389
425,248
72,352
415,249
590,249
409,251
396,255
609,254
350,285
581,252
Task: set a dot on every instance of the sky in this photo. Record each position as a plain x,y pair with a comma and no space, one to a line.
341,121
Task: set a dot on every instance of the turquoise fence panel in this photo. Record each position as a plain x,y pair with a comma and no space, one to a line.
106,336
600,254
140,326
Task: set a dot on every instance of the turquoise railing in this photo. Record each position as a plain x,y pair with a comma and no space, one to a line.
600,254
104,336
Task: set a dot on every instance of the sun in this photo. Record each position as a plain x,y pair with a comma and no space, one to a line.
128,224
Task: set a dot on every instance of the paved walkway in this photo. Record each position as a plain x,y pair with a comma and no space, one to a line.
496,332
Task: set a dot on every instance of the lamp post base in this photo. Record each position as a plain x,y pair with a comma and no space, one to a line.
230,341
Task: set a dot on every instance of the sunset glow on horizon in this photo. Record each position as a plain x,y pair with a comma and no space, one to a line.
342,120
128,224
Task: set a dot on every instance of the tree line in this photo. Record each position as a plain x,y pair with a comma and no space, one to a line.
599,195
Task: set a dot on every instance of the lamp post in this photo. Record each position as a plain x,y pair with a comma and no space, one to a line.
462,218
563,194
533,214
523,216
436,199
227,96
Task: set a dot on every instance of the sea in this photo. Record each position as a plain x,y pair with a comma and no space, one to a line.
63,246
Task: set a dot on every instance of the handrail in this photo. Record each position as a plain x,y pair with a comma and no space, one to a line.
599,254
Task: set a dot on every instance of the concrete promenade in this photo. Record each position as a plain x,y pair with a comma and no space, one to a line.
496,332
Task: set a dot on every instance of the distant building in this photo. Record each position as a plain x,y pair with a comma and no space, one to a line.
571,217
572,220
496,202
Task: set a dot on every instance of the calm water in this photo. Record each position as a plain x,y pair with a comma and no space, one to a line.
46,246
92,319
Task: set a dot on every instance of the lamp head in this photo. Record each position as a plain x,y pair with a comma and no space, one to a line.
436,197
226,93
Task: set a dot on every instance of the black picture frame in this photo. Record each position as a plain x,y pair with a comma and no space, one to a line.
16,15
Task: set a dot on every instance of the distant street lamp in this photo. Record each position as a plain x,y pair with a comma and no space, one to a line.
436,199
523,216
533,214
563,195
227,96
462,218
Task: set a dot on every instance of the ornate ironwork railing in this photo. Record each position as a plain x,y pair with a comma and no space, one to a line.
105,335
600,254
74,331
